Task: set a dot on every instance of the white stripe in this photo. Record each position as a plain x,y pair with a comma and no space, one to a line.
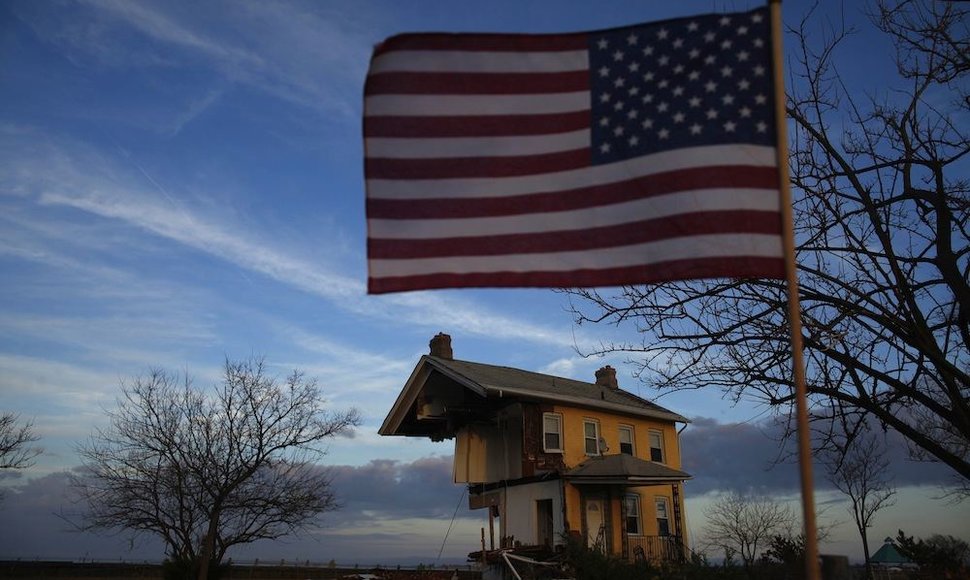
688,158
479,62
693,247
662,206
447,147
444,105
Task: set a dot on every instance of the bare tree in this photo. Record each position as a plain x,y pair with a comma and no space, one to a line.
862,473
744,524
881,219
205,472
16,451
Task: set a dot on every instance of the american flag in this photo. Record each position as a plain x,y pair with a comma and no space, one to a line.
631,155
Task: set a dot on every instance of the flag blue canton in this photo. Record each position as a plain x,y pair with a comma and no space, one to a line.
681,83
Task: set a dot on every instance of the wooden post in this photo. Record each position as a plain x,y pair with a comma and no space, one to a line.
483,547
491,527
794,310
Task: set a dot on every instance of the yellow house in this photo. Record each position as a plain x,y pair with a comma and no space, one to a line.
552,457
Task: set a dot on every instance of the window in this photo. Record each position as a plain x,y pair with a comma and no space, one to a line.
663,521
656,446
591,434
632,524
626,440
552,432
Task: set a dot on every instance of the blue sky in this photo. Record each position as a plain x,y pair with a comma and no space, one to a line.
182,182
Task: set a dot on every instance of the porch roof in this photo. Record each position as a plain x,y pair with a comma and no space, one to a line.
623,469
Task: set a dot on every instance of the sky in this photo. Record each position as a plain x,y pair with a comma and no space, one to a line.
182,182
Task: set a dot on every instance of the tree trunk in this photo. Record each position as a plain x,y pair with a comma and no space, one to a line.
208,547
865,551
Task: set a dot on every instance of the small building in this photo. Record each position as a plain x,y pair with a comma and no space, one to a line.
552,457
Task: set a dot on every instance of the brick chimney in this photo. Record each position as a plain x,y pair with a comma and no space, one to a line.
606,377
441,346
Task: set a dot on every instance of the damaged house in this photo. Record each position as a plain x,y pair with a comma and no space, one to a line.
551,457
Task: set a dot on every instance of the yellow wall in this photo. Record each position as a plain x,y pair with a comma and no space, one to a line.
574,451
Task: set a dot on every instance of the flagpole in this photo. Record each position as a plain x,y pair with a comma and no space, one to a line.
794,311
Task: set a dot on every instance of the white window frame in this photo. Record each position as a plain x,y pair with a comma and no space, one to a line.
558,418
660,436
659,501
638,514
633,439
596,438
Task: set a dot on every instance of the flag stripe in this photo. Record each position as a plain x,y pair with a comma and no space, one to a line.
741,177
687,158
436,83
685,269
451,168
451,105
701,246
474,125
483,42
649,230
445,147
479,62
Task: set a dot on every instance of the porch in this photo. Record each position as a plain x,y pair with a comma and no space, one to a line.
656,548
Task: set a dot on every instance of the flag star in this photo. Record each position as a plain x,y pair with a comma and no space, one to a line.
742,30
745,112
634,140
726,71
692,26
663,33
618,130
730,126
743,55
618,106
632,39
756,18
647,50
678,91
618,55
662,107
760,99
710,86
725,20
604,72
602,44
695,129
648,98
728,99
678,117
663,134
634,66
663,84
694,75
647,77
759,71
758,42
632,114
605,148
743,84
694,53
605,122
647,123
695,101
709,59
678,42
678,69
634,91
711,114
663,60
726,44
605,98
762,126
619,82
709,37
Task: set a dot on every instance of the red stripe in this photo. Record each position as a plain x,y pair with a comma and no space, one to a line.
627,234
737,268
471,167
743,177
434,83
475,126
484,42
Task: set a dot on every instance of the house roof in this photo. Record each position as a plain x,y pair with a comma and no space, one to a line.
623,469
888,554
498,382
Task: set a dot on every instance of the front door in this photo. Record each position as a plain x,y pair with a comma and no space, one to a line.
595,524
544,525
